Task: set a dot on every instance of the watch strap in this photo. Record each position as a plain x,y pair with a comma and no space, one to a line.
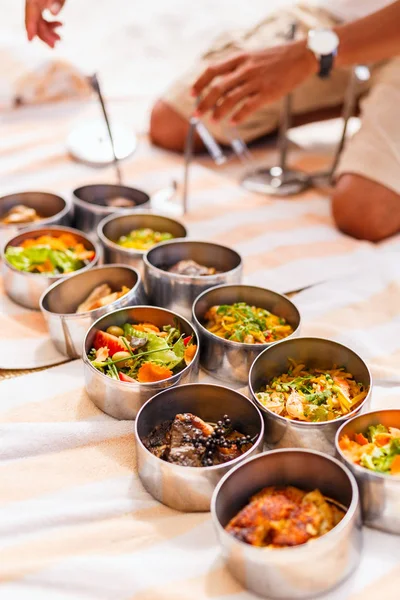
325,65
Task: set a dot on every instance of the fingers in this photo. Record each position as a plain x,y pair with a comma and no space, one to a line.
247,108
45,31
231,100
220,88
216,70
33,15
55,6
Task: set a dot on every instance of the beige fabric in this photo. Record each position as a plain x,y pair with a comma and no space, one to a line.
374,152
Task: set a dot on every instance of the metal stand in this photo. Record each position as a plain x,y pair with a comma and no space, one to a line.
98,144
279,180
358,74
96,86
212,146
188,160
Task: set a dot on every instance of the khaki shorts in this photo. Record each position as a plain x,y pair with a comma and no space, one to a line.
374,151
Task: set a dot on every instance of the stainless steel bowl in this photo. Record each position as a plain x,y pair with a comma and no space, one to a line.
111,228
123,400
315,353
300,571
190,488
27,288
90,202
380,494
54,209
178,292
59,303
230,361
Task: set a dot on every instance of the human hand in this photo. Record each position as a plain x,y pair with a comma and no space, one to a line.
249,80
37,25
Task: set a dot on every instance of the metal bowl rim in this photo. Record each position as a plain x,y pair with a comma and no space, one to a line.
191,278
129,251
137,383
61,213
62,229
231,343
179,468
362,471
351,510
306,424
105,210
88,312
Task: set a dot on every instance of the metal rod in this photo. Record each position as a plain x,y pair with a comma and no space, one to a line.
187,161
238,145
213,148
285,121
348,111
96,86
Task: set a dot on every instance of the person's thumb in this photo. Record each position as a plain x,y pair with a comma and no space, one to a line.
55,6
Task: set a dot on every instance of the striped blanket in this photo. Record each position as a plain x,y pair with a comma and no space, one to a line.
75,522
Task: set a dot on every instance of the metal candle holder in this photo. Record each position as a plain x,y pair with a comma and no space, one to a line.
279,180
358,74
90,142
96,86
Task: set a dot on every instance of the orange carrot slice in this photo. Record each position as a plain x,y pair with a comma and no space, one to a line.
360,439
189,353
381,439
150,372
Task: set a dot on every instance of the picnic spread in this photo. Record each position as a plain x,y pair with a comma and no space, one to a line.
80,518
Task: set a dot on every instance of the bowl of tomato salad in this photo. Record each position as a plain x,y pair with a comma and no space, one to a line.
369,445
133,353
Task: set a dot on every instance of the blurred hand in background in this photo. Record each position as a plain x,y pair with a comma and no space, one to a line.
37,23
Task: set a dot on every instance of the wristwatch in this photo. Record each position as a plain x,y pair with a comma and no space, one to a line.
324,44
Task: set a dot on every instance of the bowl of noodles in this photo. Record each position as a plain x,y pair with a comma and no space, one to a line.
306,388
236,323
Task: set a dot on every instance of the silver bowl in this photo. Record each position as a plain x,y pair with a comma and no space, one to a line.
55,210
27,288
230,361
123,400
190,488
90,203
281,432
178,292
300,571
59,303
111,228
380,493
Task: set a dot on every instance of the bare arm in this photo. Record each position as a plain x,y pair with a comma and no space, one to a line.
247,81
373,38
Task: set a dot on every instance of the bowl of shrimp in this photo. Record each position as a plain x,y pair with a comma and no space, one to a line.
306,389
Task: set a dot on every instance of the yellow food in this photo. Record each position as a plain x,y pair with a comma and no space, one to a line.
241,322
305,394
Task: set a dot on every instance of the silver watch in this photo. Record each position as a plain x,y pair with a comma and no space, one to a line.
324,44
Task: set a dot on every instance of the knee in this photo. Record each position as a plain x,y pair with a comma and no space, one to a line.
365,209
168,129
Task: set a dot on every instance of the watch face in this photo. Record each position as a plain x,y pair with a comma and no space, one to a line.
322,41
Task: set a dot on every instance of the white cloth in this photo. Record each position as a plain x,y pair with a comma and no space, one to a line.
350,10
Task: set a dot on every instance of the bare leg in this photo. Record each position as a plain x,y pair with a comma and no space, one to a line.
168,129
365,209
